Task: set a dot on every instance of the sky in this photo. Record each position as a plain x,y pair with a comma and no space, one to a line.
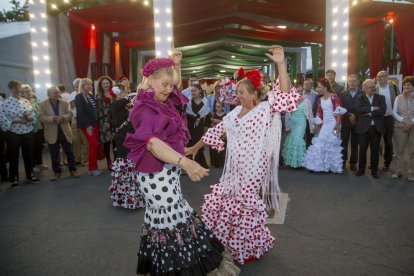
5,4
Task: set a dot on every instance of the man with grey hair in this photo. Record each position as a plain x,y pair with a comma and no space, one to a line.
390,91
370,108
348,121
55,115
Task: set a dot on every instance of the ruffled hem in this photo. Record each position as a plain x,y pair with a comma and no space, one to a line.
226,268
189,249
324,155
294,150
124,187
168,216
239,223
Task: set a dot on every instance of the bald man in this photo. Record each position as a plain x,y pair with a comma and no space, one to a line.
55,115
370,108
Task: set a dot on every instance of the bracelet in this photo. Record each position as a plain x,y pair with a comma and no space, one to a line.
179,160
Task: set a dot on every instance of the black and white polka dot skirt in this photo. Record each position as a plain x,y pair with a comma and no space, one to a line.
174,240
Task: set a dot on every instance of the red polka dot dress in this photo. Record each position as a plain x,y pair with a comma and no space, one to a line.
235,210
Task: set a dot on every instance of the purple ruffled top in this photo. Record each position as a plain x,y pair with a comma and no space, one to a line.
151,118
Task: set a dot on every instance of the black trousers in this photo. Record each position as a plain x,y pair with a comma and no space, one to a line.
37,149
3,159
348,133
389,132
14,143
308,135
54,150
372,138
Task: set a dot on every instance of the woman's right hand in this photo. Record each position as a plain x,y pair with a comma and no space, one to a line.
194,171
192,151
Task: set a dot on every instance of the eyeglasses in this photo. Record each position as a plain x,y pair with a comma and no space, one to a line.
371,87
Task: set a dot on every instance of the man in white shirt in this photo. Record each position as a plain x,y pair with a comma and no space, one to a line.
390,92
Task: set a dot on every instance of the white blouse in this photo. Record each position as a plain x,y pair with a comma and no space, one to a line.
13,108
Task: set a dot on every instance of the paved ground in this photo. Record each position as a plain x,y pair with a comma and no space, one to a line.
335,225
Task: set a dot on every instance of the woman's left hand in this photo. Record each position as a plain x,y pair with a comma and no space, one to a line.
194,171
277,54
177,56
337,127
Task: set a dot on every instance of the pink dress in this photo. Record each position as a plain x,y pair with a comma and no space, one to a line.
236,209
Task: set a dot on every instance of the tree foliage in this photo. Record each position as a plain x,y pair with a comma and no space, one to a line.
17,13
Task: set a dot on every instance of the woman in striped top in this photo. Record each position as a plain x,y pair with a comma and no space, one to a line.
86,120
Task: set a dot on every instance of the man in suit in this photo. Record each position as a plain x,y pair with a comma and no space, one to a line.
348,122
370,108
390,91
55,115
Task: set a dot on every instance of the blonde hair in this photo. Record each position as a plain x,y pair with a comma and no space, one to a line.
82,83
156,74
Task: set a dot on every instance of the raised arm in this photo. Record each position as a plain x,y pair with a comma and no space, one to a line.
177,57
277,54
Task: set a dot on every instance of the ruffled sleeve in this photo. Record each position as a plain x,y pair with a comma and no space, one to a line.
213,137
145,129
283,102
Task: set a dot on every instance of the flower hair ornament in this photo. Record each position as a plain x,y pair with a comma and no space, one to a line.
114,91
156,64
255,77
239,75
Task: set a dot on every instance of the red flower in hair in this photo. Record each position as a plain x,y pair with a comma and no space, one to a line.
240,73
255,77
322,79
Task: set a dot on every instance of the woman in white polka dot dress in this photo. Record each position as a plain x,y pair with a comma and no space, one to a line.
236,209
174,240
17,118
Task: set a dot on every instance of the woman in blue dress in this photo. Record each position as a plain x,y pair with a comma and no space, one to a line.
294,148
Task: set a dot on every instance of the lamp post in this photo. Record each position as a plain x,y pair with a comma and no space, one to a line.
391,22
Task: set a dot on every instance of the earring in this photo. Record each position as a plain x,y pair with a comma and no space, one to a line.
254,103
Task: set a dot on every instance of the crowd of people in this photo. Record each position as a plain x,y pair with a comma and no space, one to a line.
343,121
151,134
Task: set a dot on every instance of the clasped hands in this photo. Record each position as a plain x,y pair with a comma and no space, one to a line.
194,170
58,119
408,124
23,121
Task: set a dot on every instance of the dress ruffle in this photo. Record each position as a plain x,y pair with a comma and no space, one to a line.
324,155
239,223
294,150
124,188
190,249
